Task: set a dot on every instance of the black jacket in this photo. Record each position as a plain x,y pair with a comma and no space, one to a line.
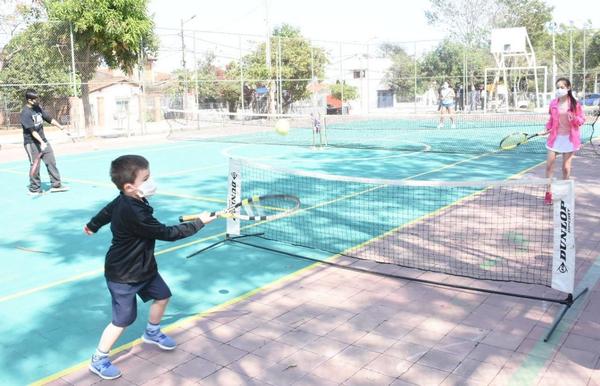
130,258
32,120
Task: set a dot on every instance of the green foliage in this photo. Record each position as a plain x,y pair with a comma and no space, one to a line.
593,51
447,62
444,63
350,92
118,33
115,32
206,76
297,59
401,75
32,58
468,22
229,89
471,21
531,14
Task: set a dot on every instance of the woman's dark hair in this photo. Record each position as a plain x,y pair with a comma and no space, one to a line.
124,170
573,101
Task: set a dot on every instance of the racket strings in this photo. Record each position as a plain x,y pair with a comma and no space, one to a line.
266,207
513,141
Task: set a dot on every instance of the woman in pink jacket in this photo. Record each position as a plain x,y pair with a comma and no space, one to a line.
566,116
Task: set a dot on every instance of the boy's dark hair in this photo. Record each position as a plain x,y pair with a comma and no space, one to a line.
124,169
31,94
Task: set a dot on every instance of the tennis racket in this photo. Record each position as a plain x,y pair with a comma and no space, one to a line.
35,165
257,208
594,147
517,139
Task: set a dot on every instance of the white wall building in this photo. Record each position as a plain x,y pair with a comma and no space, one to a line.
367,76
115,102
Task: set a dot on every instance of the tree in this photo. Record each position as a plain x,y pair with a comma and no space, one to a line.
531,14
206,79
401,75
593,51
350,92
116,33
445,62
32,58
294,57
470,21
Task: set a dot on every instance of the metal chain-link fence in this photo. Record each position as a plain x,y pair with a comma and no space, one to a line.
286,73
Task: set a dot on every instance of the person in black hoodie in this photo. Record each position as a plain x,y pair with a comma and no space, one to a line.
130,267
36,145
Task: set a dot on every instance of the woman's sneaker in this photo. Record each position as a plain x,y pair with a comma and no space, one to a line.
161,340
103,367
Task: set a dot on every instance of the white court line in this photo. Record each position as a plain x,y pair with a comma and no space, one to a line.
227,153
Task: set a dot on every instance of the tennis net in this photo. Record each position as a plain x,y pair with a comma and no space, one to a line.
468,134
489,230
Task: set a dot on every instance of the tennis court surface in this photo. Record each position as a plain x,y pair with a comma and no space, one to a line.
246,315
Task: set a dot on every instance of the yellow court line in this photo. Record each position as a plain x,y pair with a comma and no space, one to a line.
95,272
182,322
251,293
110,185
98,271
265,287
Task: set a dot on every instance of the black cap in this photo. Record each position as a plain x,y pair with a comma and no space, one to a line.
31,94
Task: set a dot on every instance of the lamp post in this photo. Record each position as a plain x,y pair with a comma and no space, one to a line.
585,27
571,24
552,27
183,41
185,76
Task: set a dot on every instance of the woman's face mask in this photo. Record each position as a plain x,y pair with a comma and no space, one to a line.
561,92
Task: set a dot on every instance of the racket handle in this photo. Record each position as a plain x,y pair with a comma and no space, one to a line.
192,217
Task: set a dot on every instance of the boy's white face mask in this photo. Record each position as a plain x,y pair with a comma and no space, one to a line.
147,188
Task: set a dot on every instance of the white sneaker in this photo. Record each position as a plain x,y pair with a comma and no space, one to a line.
453,126
441,126
58,189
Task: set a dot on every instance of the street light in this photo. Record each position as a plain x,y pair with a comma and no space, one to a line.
571,24
586,25
183,41
552,27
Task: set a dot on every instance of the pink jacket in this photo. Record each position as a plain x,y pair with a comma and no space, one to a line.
576,121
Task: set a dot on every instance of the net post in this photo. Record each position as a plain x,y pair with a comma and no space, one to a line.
234,194
227,238
567,305
563,256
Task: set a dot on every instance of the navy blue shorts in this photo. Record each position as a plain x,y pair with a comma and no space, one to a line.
124,303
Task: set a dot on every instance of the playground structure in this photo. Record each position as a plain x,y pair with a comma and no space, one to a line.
516,77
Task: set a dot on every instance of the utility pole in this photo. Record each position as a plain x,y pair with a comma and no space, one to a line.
585,27
571,52
182,47
185,76
552,27
271,93
183,41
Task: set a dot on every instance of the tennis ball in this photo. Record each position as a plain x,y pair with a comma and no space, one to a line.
282,127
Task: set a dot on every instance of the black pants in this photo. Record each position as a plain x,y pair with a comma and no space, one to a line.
35,183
